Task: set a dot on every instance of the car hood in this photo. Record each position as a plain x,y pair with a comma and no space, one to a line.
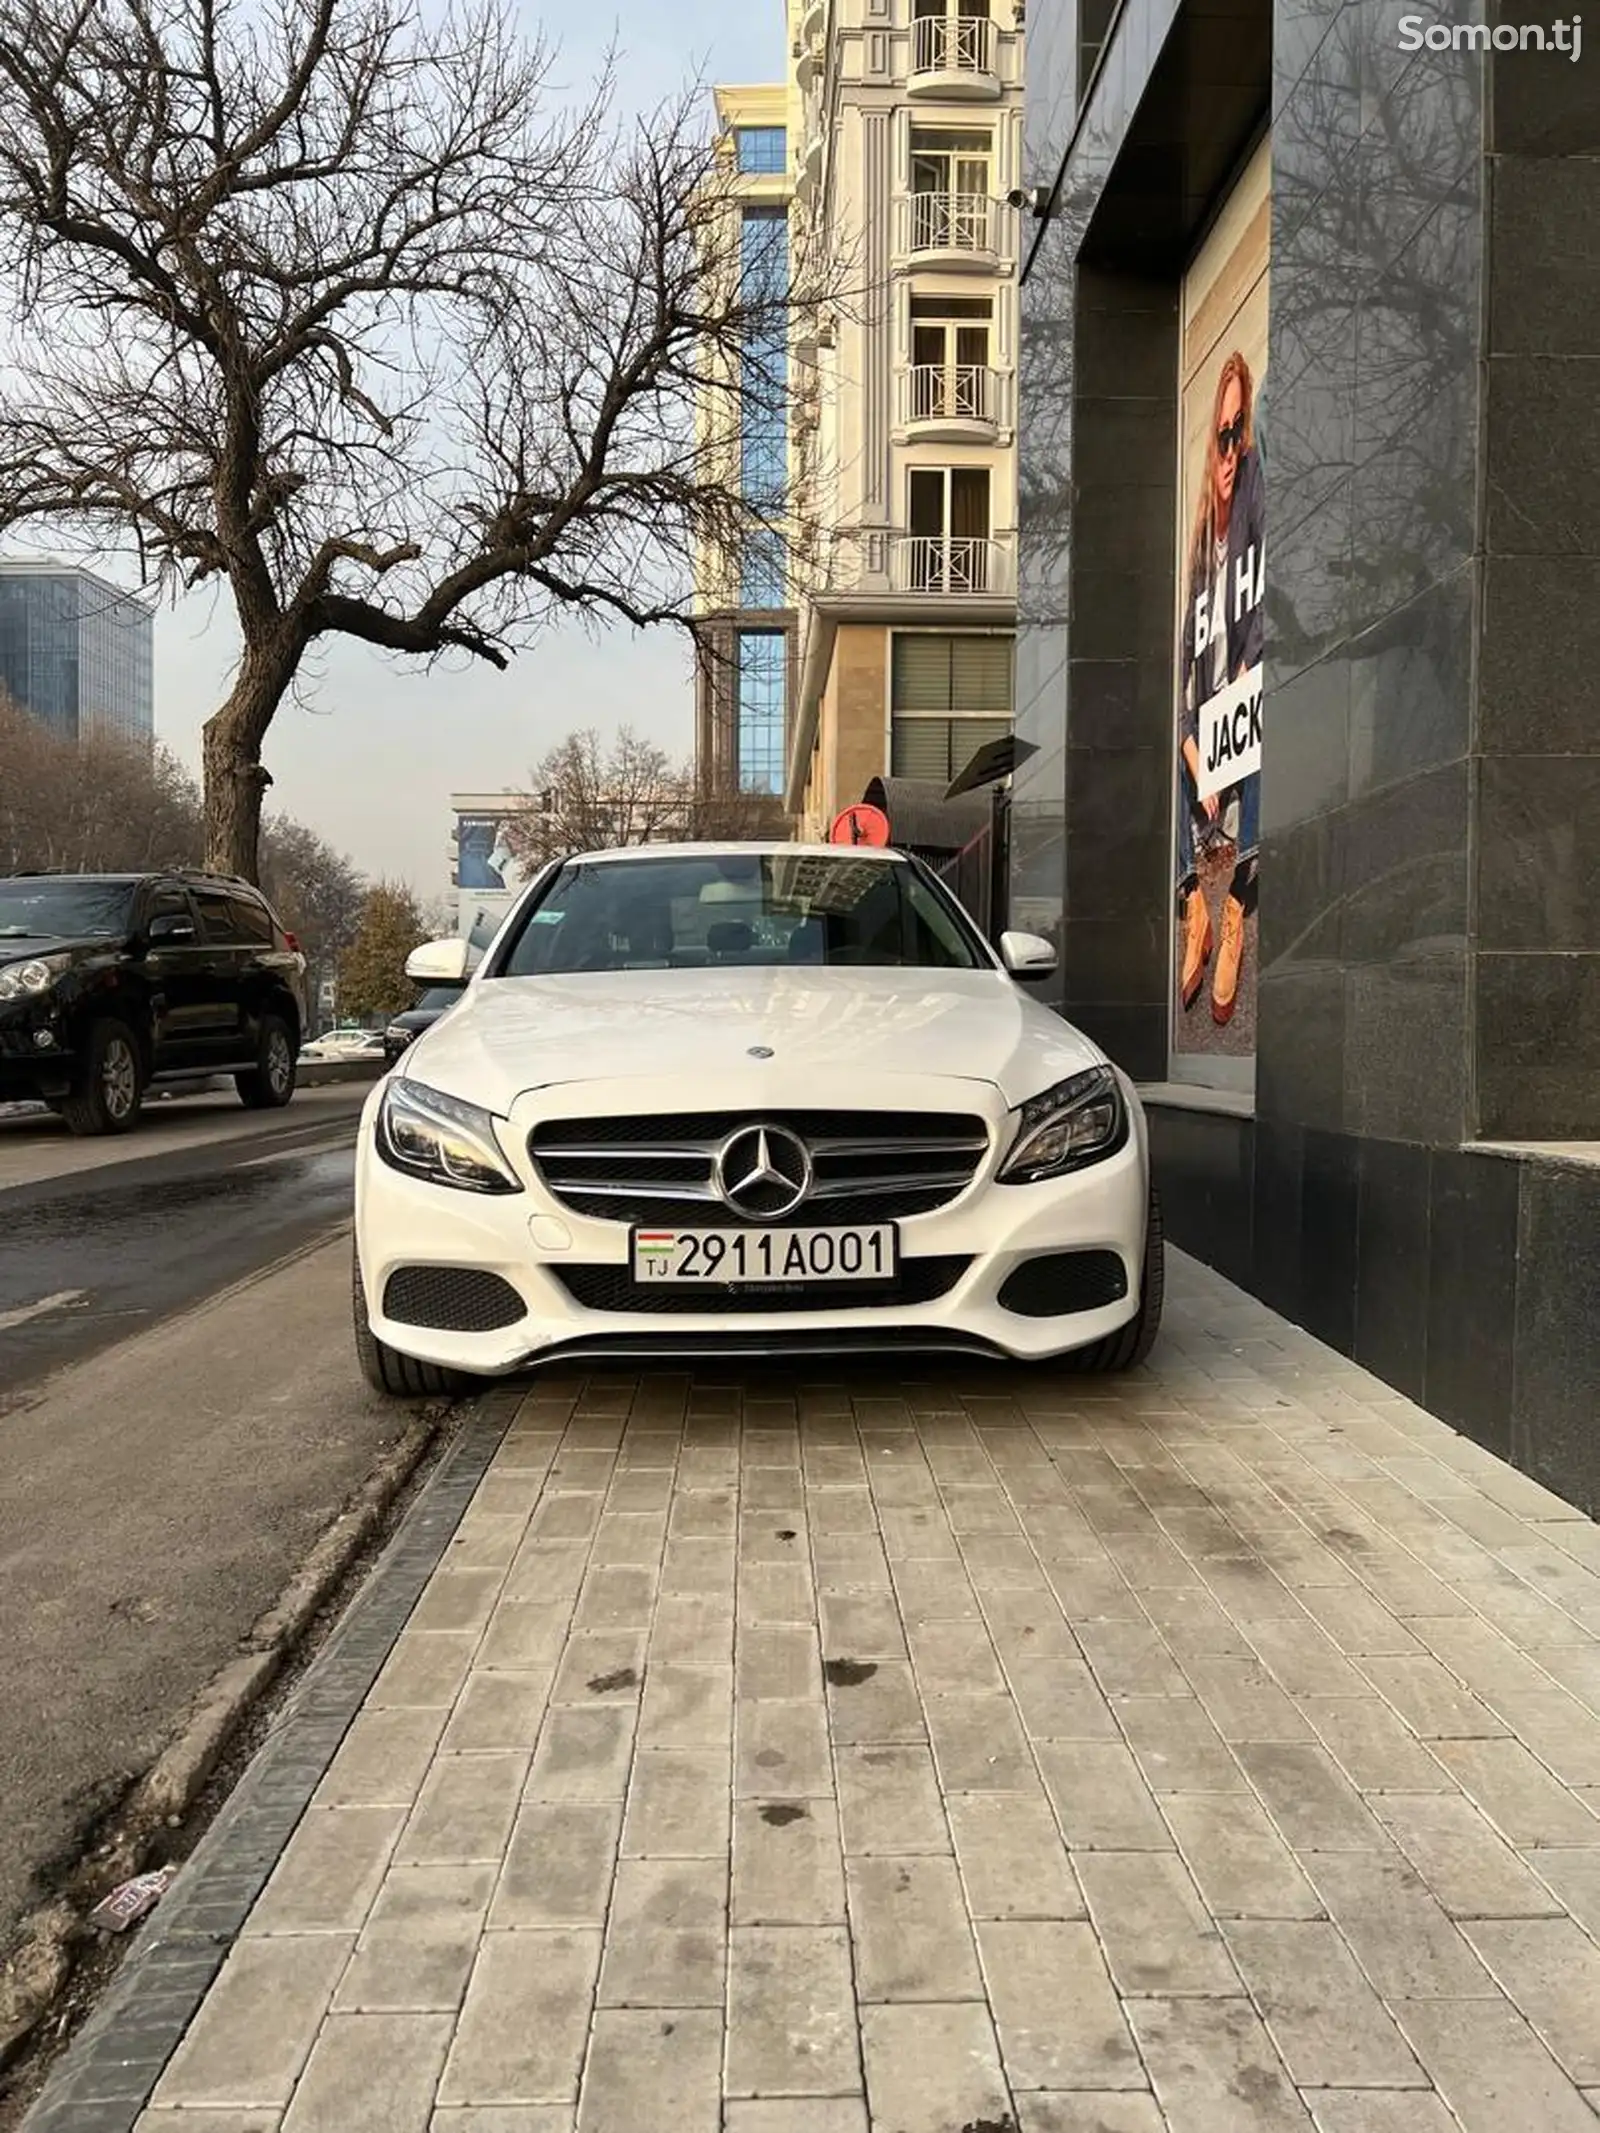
668,1028
33,944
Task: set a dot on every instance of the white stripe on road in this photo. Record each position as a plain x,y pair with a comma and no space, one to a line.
58,1302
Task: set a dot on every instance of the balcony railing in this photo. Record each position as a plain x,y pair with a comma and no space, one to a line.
950,222
949,563
952,44
964,393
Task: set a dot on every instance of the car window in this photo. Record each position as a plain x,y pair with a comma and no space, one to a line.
438,997
57,907
719,908
168,903
251,921
216,916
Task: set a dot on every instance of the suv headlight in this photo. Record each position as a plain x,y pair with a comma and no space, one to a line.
1076,1122
441,1138
38,974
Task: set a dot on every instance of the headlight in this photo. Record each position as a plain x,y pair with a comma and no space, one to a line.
38,975
395,1034
1074,1123
441,1138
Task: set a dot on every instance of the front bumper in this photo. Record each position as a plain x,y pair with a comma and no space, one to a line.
528,1237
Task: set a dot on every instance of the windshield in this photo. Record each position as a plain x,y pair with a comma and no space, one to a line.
437,998
738,910
54,907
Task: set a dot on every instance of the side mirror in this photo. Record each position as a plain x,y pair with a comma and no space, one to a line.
170,930
1027,955
446,962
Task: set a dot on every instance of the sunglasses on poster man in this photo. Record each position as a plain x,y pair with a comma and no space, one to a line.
1230,438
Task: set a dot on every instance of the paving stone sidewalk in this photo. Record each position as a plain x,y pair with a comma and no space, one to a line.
930,1750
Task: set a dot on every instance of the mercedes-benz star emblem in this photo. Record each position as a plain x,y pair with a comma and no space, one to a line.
763,1172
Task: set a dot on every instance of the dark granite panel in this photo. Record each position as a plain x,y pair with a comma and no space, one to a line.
1305,750
1542,104
1406,1049
1117,796
1472,1294
1543,453
1392,1264
1302,915
1134,351
1116,961
1203,1171
1135,1037
1539,658
1300,1046
1118,614
1121,703
1544,270
1110,875
1538,1041
1405,868
1277,1224
1411,685
1330,1210
1539,852
1127,532
1556,1393
1415,516
1122,444
1308,399
1421,145
1309,574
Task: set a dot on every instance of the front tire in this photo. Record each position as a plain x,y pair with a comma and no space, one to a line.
270,1084
386,1370
1127,1348
110,1085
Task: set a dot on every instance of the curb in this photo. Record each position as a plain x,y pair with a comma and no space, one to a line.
42,1963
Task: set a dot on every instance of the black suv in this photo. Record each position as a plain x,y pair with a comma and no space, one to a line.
109,982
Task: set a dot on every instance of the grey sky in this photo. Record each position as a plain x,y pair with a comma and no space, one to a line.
371,752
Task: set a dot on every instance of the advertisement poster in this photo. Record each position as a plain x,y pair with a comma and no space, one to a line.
486,875
1222,563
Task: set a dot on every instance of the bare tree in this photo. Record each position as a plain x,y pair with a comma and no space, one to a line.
585,794
350,311
103,803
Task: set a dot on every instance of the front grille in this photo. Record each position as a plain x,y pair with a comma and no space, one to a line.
870,1166
1058,1283
451,1299
613,1288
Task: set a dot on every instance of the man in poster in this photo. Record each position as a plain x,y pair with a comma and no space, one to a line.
1219,682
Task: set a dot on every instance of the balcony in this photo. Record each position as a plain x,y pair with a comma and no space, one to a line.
956,403
953,58
950,563
952,230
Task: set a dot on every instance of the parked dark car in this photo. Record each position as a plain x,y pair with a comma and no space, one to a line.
112,982
405,1028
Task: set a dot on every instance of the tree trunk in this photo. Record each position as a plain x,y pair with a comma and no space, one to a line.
235,781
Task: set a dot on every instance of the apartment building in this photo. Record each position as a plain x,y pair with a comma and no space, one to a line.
903,142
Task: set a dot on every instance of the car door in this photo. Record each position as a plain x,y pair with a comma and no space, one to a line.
227,955
174,964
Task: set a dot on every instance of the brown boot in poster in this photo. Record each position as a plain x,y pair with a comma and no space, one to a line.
1197,940
1230,956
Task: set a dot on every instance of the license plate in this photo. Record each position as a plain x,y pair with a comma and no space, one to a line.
720,1257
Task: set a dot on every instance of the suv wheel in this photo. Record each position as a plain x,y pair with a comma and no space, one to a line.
270,1083
110,1086
386,1370
1127,1348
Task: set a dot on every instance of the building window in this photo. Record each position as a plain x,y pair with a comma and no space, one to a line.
949,522
762,151
761,576
763,668
764,359
950,373
949,696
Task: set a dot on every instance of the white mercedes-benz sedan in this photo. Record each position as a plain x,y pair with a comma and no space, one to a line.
721,1100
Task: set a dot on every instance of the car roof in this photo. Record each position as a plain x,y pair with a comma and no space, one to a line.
739,849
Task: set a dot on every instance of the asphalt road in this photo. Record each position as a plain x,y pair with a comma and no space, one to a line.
190,1205
173,1441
